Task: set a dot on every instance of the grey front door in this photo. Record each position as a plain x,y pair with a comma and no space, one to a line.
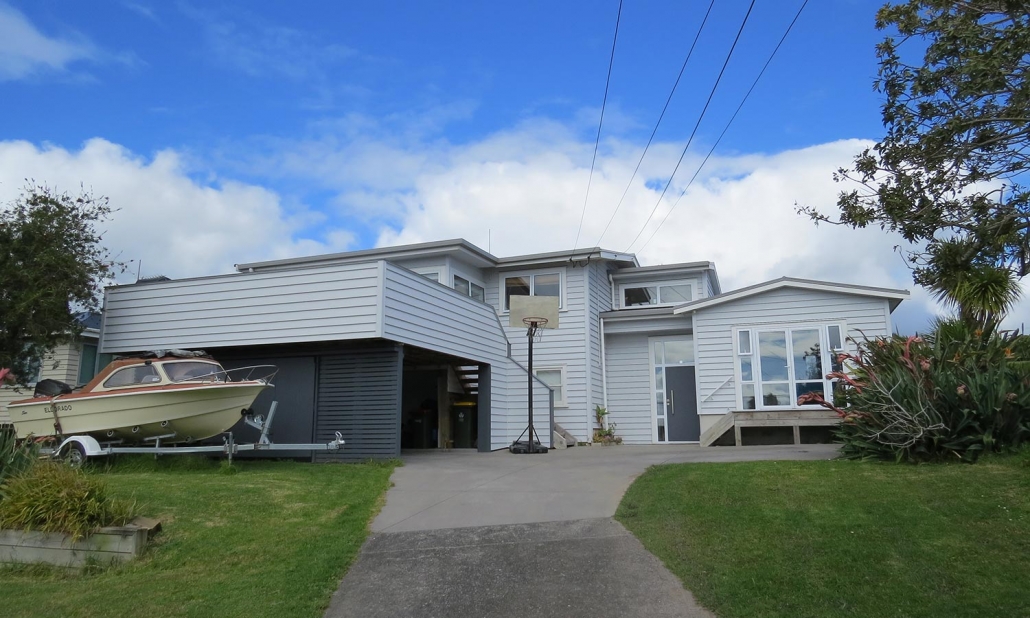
681,403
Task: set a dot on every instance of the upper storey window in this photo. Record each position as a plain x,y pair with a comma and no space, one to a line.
649,295
543,284
468,288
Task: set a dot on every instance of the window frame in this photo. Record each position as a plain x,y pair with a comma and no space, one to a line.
468,287
531,275
822,326
658,285
432,270
105,385
558,403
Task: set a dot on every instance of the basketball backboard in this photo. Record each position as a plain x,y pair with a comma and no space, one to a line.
523,307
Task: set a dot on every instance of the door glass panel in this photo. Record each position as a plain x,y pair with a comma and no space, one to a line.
547,285
676,294
659,354
661,430
748,393
679,352
640,297
772,348
808,355
810,387
775,394
659,379
746,374
515,286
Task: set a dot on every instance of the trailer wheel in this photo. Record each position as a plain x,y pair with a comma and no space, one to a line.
74,454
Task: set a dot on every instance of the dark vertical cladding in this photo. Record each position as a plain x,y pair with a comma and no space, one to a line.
359,395
483,408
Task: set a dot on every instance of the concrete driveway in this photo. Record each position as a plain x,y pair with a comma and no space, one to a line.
471,534
459,489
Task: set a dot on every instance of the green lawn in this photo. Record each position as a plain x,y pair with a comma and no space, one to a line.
272,540
840,538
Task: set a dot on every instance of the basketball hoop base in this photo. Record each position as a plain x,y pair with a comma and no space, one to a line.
526,448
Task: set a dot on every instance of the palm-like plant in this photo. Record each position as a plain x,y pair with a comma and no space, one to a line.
981,293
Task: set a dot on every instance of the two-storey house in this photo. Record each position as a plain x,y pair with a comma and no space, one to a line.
410,347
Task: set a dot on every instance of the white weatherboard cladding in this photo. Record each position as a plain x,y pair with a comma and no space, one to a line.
563,346
713,331
600,297
423,313
313,304
517,418
629,386
660,325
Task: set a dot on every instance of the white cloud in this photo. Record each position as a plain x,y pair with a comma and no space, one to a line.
24,50
177,226
524,189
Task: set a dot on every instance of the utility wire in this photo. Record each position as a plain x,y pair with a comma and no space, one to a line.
597,141
726,128
655,130
694,132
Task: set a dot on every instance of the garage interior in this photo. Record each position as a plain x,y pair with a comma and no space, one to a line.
381,396
439,401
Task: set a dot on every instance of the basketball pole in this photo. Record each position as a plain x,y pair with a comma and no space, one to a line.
529,334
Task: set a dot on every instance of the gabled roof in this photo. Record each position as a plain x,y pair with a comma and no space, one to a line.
894,296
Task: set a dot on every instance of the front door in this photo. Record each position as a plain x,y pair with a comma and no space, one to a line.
681,403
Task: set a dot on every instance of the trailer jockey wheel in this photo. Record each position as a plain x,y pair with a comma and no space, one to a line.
74,454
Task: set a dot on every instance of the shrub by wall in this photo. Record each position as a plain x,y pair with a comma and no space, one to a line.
954,394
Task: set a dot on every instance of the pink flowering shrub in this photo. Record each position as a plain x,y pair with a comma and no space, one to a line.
955,393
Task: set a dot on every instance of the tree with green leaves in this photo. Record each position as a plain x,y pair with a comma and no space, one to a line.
950,174
52,266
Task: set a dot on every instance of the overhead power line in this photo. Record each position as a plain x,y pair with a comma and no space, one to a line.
597,140
698,124
726,128
655,130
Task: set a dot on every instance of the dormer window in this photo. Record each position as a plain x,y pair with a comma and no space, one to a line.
650,295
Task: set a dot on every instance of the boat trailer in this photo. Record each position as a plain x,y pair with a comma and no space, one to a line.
76,449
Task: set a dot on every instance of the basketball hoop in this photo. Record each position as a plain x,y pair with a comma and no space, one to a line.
535,324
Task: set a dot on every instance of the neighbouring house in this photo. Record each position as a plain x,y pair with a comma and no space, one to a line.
74,363
409,347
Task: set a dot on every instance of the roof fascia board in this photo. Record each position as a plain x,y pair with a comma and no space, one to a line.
369,255
776,284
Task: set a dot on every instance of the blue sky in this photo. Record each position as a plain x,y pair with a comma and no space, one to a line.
227,132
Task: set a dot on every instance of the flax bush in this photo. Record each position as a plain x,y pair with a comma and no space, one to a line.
15,457
53,497
954,394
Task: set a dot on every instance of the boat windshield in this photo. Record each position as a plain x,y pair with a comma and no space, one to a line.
192,370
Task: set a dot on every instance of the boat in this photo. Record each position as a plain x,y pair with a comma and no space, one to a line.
171,397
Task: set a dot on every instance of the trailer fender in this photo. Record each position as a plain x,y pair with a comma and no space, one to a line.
89,446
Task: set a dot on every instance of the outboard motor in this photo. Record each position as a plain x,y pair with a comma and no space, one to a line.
51,388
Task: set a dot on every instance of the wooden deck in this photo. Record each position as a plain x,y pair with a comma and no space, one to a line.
734,421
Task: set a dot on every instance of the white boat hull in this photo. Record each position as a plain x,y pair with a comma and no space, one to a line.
190,412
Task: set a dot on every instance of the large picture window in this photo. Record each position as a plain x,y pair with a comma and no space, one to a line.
776,366
544,284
